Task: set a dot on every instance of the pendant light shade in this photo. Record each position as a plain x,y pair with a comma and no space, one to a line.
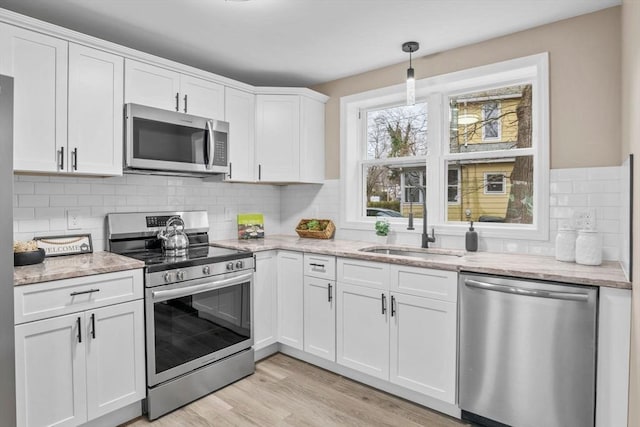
410,47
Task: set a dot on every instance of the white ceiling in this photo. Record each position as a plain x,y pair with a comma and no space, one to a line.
297,42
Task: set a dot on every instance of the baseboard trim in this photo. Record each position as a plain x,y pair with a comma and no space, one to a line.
117,417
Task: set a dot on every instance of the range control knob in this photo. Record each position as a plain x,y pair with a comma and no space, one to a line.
229,266
180,275
167,277
239,264
206,270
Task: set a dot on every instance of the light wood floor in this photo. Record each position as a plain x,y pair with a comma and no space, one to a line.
287,392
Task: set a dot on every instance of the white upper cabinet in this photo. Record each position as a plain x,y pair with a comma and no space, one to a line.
240,112
38,65
95,111
278,138
67,104
162,88
202,97
290,138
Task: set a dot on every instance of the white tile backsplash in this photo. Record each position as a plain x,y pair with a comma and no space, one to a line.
37,212
41,202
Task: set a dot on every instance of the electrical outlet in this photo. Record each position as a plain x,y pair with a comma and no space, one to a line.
229,214
73,219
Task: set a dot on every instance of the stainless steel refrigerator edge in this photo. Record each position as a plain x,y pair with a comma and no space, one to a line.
7,344
527,352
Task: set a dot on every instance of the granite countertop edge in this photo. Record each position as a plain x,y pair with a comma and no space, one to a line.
608,274
67,267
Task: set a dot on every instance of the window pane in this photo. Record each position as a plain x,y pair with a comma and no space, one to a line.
497,119
397,132
394,190
493,190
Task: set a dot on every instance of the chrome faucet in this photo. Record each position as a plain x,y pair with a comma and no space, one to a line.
426,239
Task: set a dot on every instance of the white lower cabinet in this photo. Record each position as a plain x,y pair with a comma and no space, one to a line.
423,345
320,317
265,299
363,330
75,367
401,337
290,299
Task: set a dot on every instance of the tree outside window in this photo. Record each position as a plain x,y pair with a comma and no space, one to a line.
396,157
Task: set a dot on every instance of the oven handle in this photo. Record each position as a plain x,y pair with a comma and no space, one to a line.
196,289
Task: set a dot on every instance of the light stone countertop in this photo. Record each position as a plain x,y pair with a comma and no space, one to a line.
608,274
66,267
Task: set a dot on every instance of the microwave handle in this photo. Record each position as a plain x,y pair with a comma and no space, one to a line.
210,146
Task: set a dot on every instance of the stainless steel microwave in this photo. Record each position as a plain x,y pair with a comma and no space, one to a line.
169,142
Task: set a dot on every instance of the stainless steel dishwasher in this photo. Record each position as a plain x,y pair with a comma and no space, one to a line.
527,352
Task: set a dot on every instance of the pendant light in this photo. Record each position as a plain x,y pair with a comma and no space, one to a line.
410,47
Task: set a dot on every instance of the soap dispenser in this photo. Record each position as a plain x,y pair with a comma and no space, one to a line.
471,239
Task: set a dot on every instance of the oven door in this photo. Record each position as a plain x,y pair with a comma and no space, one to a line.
194,323
166,140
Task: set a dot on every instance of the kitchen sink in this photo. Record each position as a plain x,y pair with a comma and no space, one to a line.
427,254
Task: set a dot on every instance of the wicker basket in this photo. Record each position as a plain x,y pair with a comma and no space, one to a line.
327,233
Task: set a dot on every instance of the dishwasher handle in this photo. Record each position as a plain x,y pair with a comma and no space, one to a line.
539,293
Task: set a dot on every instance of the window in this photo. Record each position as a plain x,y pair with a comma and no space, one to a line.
453,186
482,156
491,125
395,164
494,183
489,156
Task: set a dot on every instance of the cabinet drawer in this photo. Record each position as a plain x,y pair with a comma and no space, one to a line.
320,266
426,282
48,299
363,273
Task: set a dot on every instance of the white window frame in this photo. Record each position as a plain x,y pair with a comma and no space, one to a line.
486,184
436,90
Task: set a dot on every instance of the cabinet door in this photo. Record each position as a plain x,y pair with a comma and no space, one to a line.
95,111
312,141
115,357
320,318
201,97
38,65
240,113
150,85
290,299
50,372
423,345
278,138
265,303
362,331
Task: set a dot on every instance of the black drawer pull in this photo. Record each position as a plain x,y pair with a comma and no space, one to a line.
90,291
93,326
316,265
79,323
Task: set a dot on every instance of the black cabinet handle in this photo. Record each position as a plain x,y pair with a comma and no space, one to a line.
93,326
185,103
316,265
393,306
230,172
61,164
74,158
79,323
384,303
259,172
330,293
177,101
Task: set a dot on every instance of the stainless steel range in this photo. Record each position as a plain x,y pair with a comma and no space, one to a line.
198,305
